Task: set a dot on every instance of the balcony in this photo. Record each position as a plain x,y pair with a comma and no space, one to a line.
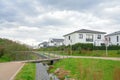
89,40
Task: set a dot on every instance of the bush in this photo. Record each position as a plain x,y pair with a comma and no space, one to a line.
111,47
114,47
1,51
118,52
99,47
82,46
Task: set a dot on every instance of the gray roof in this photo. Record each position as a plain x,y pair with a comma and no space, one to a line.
86,31
44,43
58,40
115,33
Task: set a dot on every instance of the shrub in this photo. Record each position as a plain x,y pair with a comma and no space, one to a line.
118,52
1,51
99,47
80,46
111,47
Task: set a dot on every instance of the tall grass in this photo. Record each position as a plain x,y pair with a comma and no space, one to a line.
28,72
7,47
90,69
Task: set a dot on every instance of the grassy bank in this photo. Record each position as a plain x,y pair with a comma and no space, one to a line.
97,53
8,49
4,59
27,72
89,69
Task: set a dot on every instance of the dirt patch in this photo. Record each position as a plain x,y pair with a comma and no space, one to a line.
116,74
97,75
61,73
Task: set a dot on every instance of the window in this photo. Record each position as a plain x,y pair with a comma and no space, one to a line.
51,41
117,38
117,44
99,36
69,37
89,37
80,36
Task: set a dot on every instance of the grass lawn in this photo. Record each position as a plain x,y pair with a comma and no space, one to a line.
89,69
18,56
27,73
4,59
97,53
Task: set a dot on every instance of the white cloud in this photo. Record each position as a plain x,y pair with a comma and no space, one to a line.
32,21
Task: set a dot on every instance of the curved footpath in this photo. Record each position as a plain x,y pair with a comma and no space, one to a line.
104,58
91,57
9,70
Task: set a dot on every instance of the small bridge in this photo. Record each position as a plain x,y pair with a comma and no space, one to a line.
37,57
40,59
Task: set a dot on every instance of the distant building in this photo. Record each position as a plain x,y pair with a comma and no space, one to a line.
85,36
56,42
43,44
113,38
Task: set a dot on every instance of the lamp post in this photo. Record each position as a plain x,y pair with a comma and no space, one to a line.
106,45
106,50
71,46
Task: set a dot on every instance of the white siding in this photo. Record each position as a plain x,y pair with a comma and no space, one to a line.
113,40
74,38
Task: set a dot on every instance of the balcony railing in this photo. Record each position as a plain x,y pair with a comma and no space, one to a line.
89,40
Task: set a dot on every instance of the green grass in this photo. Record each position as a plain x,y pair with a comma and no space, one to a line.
90,69
27,73
18,56
4,59
97,53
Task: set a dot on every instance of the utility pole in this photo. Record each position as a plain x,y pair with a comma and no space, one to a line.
106,45
106,50
71,46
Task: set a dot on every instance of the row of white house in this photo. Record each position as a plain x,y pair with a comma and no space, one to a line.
52,42
97,38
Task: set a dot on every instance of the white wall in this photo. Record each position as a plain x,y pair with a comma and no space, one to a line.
55,43
75,39
113,39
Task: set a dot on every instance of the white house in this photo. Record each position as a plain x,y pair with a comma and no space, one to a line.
113,38
43,44
85,36
56,42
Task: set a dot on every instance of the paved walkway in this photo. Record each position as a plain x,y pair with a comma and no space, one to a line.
9,70
104,58
92,57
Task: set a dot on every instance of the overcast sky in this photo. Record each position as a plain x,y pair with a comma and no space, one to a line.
34,21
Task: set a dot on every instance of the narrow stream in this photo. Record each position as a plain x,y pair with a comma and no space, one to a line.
42,74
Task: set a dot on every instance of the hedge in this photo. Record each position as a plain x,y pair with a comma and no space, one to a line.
80,46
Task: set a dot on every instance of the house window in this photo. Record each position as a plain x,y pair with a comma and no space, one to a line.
117,44
89,37
69,37
51,41
117,38
99,36
80,36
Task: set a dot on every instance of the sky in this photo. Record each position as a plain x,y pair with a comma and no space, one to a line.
34,21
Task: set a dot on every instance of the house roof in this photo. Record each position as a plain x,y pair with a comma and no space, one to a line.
114,33
57,40
44,43
86,31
